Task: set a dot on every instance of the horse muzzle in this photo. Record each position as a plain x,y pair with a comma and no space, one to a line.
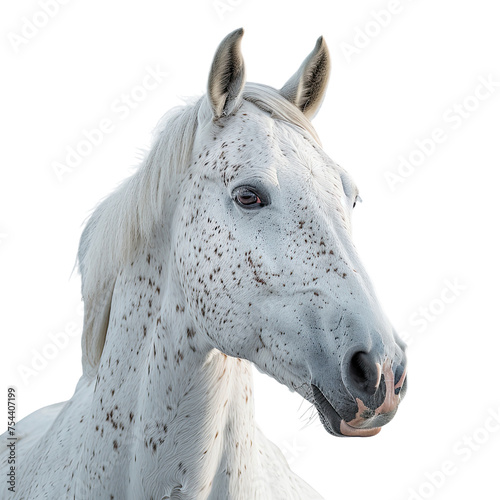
376,391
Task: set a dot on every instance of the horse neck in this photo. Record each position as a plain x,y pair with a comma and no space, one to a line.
174,408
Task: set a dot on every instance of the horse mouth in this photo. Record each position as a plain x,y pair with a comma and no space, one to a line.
333,422
337,426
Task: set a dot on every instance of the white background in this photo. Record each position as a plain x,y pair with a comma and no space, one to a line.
439,224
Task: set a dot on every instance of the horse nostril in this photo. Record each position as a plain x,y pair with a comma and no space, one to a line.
364,373
399,381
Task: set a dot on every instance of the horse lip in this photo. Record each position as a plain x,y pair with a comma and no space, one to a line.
349,430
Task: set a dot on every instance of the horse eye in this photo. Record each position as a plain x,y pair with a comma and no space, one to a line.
247,198
357,200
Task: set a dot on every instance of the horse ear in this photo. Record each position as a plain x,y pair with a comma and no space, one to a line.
306,88
227,76
95,326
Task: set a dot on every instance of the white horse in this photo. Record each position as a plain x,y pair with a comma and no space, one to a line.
231,245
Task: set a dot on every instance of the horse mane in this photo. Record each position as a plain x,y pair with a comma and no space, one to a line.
125,220
127,216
